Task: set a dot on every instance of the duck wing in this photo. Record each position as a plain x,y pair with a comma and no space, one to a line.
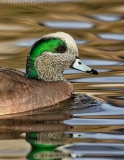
8,78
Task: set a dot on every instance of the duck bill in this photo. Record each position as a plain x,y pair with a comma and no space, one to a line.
82,67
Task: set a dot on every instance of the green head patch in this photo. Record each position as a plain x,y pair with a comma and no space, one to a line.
54,45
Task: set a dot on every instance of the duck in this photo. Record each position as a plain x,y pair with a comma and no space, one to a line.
43,84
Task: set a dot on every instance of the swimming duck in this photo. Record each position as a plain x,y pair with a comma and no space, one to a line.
43,84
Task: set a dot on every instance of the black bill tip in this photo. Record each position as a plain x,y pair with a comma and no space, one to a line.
93,71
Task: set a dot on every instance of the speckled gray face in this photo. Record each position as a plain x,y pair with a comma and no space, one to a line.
59,54
52,62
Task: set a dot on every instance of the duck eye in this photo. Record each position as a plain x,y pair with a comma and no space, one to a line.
61,49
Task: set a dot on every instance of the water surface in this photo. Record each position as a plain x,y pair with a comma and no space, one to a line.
97,132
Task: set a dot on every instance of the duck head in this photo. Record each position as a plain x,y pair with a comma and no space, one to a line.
51,55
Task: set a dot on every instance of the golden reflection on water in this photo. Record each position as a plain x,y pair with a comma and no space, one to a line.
26,22
20,24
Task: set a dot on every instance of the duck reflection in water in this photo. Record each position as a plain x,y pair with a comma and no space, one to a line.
44,132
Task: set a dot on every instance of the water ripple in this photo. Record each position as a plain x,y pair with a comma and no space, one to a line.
102,110
81,149
94,135
88,121
68,24
100,79
107,17
112,36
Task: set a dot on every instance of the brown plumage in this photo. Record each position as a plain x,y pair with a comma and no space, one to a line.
19,94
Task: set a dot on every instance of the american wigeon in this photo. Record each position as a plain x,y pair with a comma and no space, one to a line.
43,84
